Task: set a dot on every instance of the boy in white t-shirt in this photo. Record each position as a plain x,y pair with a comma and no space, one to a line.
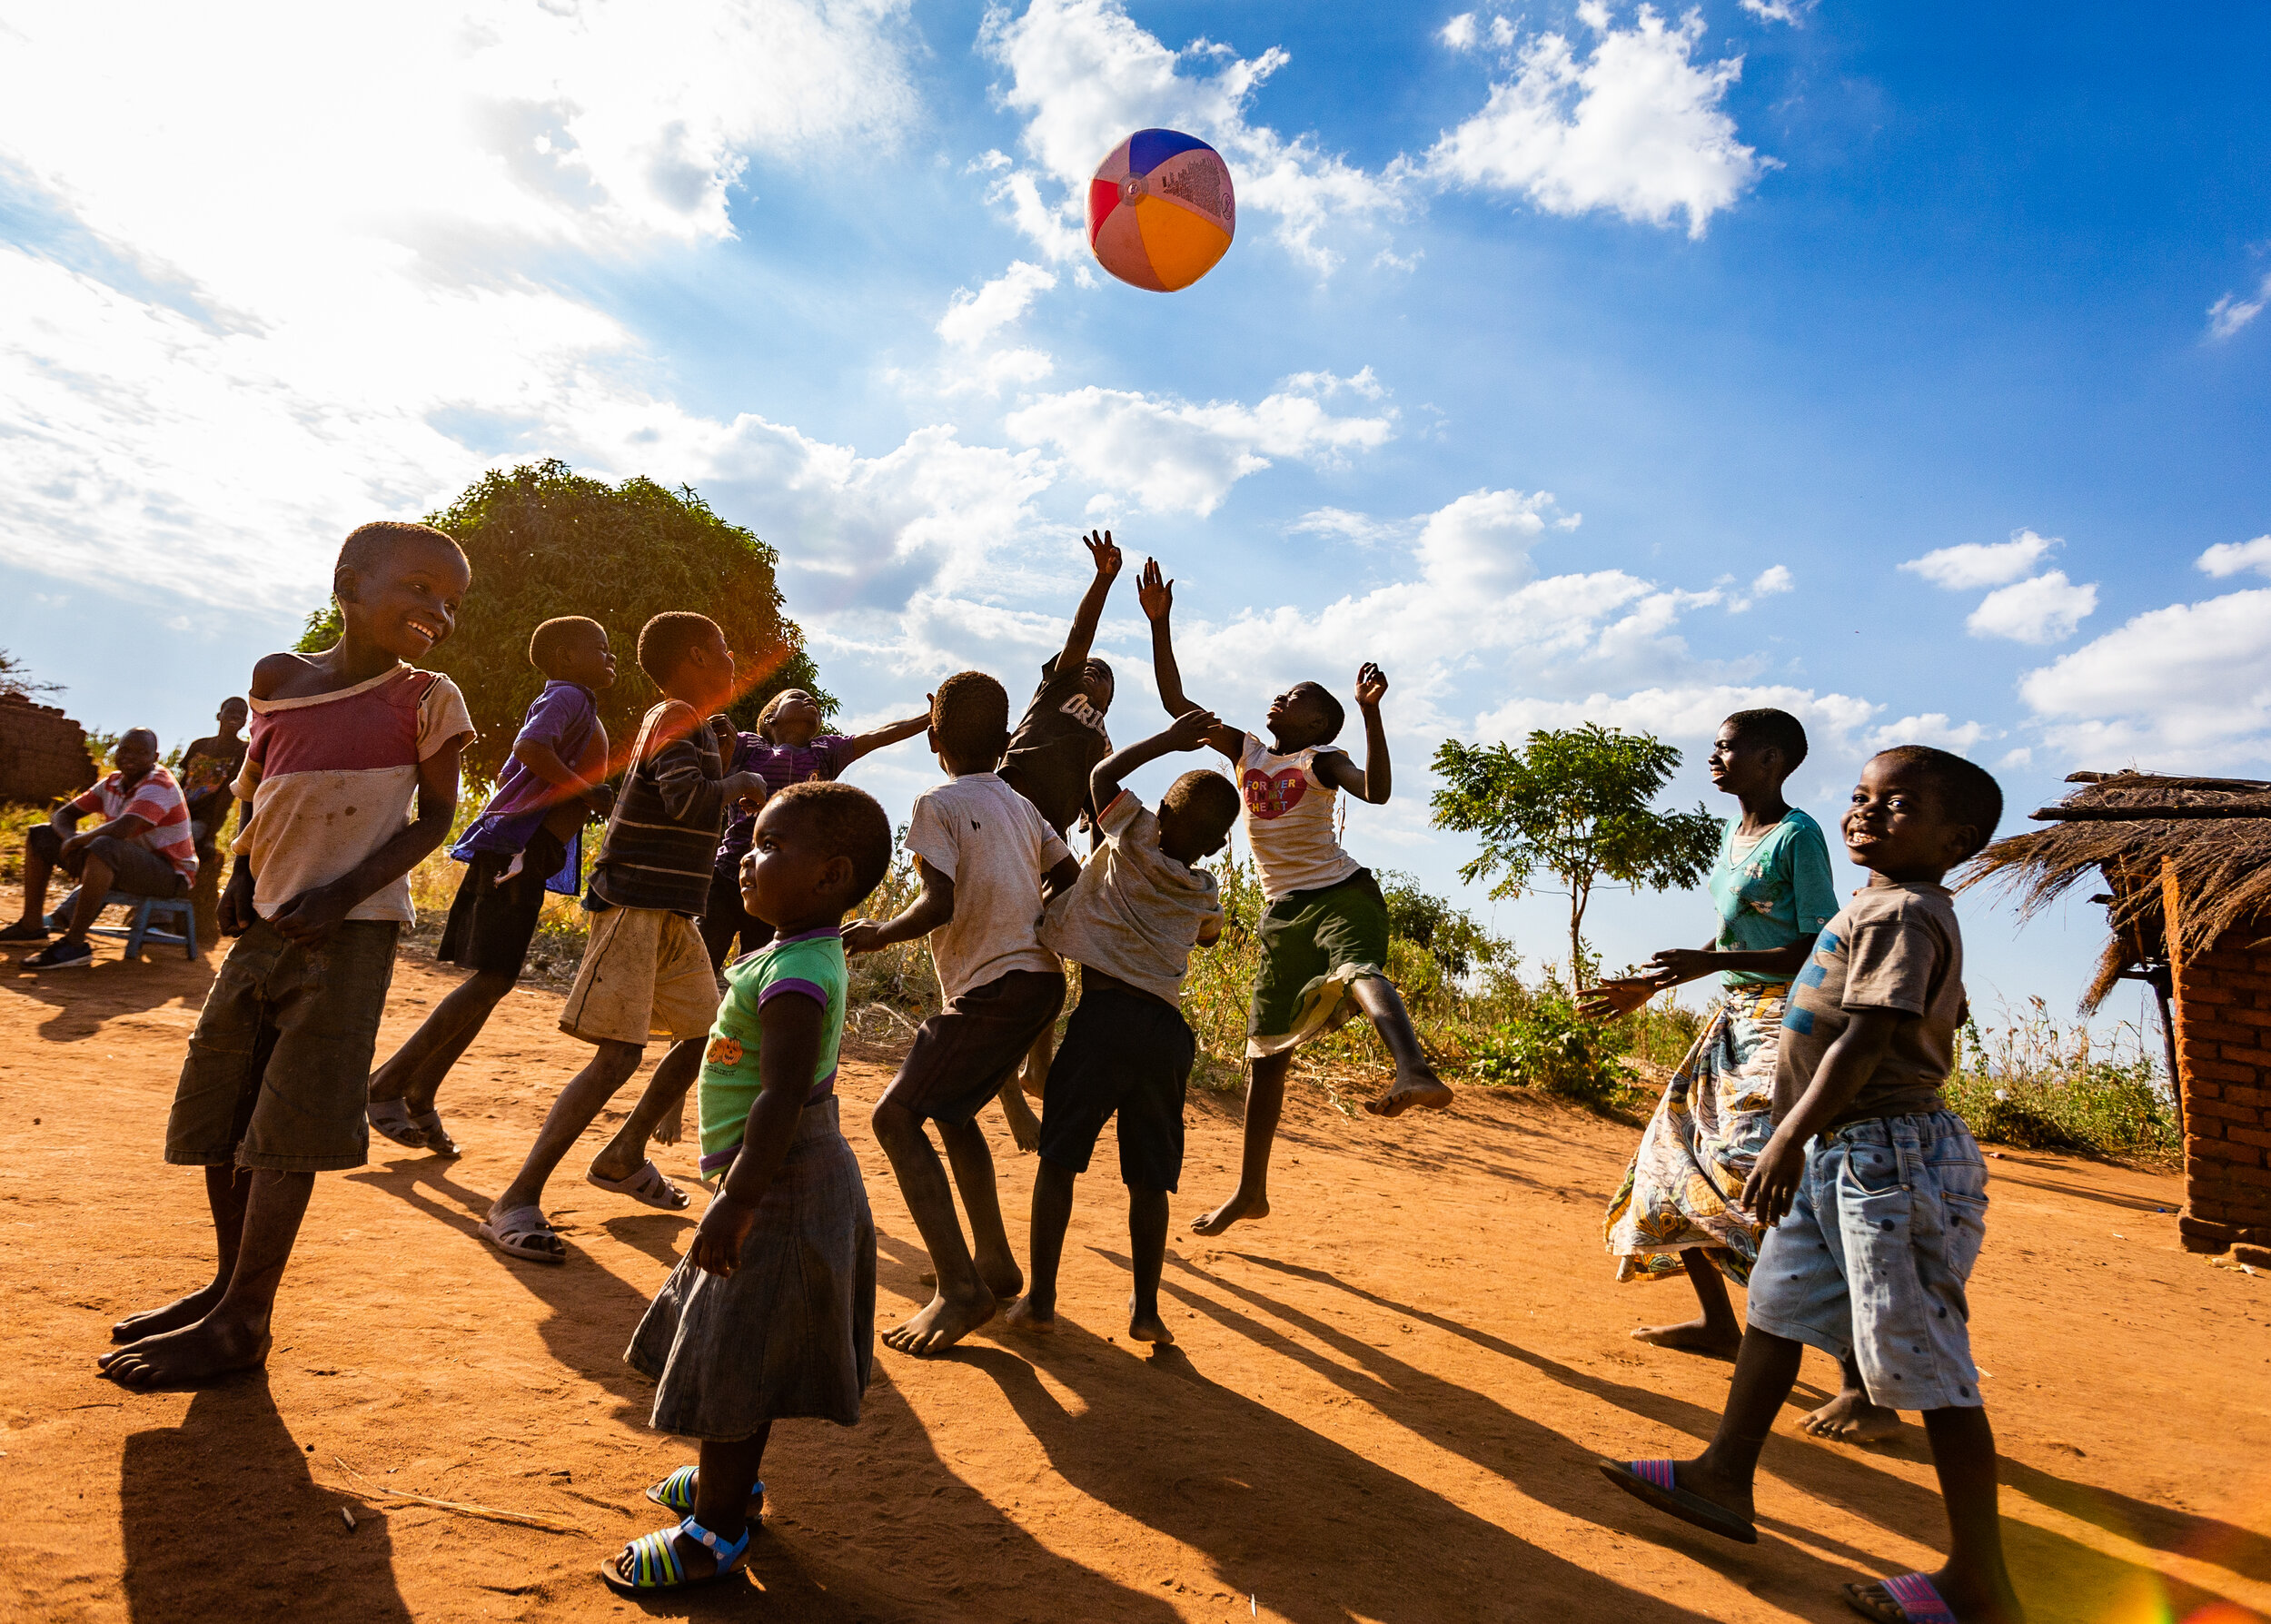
1324,935
986,861
1130,924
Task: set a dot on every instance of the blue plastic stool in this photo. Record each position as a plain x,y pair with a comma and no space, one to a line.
140,927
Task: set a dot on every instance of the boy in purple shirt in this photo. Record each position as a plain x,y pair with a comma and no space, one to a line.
552,782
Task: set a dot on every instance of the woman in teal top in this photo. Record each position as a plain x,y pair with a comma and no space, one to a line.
1678,1209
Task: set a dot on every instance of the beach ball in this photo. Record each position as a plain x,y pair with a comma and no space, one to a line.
1160,212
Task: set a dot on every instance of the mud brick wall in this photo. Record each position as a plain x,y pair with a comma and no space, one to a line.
43,753
2223,1010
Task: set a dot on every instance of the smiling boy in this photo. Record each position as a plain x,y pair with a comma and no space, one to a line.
1874,1193
344,742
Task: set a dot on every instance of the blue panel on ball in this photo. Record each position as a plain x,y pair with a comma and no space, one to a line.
1147,149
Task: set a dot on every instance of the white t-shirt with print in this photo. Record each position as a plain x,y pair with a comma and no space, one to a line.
1289,819
1137,911
995,847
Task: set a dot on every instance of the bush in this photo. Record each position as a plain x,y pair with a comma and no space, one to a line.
1551,1048
2033,1085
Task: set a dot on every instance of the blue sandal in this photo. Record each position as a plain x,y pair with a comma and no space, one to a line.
1654,1482
1910,1598
655,1564
676,1492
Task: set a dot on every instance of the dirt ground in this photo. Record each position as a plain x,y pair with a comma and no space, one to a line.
1384,1405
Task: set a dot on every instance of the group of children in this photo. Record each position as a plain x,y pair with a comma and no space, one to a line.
1869,1194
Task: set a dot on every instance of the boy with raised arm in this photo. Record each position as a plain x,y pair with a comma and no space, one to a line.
644,972
1324,935
1130,922
553,781
986,861
272,1092
1873,1192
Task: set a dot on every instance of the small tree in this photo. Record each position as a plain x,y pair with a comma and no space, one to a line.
15,680
545,540
1576,803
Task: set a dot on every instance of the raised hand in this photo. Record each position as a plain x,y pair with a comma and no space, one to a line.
1192,728
1618,997
1372,685
1156,595
861,935
1100,548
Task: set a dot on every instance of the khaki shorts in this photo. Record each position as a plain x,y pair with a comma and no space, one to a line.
645,975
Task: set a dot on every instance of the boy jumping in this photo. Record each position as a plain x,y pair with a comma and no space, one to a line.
983,856
644,972
1130,922
1324,936
1874,1193
272,1090
551,783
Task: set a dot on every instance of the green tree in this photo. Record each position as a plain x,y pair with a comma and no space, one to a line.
1575,802
1447,935
545,540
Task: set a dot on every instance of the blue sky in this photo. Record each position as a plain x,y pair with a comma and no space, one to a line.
1899,365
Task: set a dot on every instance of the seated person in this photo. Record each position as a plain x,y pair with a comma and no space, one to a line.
143,847
209,770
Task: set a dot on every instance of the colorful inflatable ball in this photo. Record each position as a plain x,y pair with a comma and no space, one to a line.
1160,210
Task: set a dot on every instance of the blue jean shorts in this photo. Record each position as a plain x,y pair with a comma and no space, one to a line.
1873,1258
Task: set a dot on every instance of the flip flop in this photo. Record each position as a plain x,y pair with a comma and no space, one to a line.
656,1565
646,1186
1653,1481
676,1492
437,1140
518,1234
1907,1599
391,1119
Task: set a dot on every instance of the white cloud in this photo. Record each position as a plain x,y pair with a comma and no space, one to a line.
1636,126
2228,314
973,318
1690,712
1173,455
2229,558
1933,728
1771,582
1984,564
2044,609
1792,12
1460,33
1083,75
2186,687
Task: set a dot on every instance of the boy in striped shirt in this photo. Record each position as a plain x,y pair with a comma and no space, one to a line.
143,846
645,973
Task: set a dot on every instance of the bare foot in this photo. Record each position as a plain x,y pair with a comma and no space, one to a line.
1024,1126
940,1325
1850,1418
1001,1274
1423,1091
188,1357
180,1312
1240,1206
1693,1336
1021,1315
1146,1326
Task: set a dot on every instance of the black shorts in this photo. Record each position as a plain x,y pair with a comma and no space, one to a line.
135,869
964,1054
1123,1052
491,924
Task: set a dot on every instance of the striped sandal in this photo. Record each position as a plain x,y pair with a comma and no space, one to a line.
676,1492
1656,1483
655,1564
1907,1599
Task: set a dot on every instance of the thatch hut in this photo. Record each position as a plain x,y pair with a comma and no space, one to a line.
2187,867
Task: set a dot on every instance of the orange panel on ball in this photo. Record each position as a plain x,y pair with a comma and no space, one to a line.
1182,246
1119,247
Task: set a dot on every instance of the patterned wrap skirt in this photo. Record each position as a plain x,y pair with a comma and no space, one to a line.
1685,1185
792,1330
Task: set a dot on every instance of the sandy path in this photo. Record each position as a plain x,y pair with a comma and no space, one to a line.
1384,1405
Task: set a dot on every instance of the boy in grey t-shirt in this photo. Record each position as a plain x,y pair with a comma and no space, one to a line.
1130,924
1874,1191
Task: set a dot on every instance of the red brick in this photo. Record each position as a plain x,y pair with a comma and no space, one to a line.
2225,1111
2257,1257
2199,1033
2197,1089
2208,1248
2240,1095
2209,1212
2241,981
2246,1015
2200,1229
2260,1178
2225,1150
2225,1070
2247,1055
2206,989
2254,1136
2256,1237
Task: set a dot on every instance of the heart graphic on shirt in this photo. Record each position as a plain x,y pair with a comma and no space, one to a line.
1273,794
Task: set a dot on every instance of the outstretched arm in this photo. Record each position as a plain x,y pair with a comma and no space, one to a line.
1372,783
1083,635
891,733
1187,732
925,914
1157,597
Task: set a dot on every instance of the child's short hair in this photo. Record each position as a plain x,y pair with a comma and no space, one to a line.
549,642
1967,792
847,822
665,641
1777,729
970,716
1207,796
772,709
368,544
1335,716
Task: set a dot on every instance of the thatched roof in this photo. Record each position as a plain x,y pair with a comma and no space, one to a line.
2217,831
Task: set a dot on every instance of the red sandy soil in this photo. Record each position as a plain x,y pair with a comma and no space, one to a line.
1384,1404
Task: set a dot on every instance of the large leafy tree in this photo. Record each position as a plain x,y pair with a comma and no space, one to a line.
1577,803
545,540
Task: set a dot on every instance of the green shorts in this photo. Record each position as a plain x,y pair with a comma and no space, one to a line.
279,1068
1315,945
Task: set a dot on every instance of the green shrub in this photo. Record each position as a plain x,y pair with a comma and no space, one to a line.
1552,1048
2032,1084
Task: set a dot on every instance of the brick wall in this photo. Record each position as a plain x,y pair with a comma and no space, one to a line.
2223,1020
43,753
